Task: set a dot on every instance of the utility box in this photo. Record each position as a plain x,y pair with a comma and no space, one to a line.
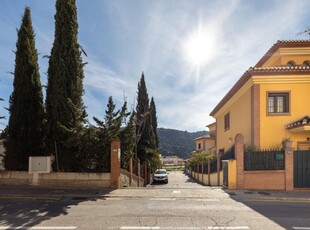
40,164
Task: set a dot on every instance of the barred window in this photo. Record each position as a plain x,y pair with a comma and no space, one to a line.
278,103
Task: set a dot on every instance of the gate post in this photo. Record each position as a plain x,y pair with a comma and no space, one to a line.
115,181
239,154
289,169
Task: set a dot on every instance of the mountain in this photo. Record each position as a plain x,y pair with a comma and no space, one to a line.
177,142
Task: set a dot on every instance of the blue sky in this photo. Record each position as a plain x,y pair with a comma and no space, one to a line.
191,51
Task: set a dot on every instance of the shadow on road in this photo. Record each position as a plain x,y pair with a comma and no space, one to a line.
287,212
29,210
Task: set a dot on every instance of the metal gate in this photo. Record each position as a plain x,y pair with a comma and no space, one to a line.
225,173
302,169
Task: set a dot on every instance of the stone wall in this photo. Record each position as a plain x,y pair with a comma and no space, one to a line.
57,179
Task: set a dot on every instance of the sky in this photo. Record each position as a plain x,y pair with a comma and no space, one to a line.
191,51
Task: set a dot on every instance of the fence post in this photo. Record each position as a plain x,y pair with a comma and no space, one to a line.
138,169
239,154
218,164
130,172
115,181
209,171
145,173
202,172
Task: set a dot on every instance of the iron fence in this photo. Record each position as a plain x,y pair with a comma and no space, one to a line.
264,160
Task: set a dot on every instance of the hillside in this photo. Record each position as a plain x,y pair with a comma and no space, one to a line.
180,143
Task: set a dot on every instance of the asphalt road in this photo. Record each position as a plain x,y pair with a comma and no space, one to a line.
180,204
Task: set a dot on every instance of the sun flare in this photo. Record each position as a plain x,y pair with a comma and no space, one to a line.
199,47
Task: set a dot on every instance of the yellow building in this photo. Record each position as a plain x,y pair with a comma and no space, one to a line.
270,102
206,144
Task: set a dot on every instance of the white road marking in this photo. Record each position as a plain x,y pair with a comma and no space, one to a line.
176,191
185,228
39,228
162,198
136,227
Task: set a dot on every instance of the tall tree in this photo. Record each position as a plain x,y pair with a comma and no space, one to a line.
26,122
154,121
145,140
64,104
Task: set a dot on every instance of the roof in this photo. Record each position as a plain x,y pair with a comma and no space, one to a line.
257,70
299,123
282,44
207,136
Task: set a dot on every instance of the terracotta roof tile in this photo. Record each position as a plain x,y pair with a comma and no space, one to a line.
282,44
301,122
258,70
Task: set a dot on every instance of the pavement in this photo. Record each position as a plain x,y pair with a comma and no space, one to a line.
37,192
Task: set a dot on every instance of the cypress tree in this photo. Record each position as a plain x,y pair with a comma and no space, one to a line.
64,104
26,122
144,132
154,121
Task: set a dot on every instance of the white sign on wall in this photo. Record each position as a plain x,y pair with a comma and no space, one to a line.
39,164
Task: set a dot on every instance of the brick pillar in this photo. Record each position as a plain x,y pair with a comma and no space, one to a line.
130,172
115,163
239,155
289,169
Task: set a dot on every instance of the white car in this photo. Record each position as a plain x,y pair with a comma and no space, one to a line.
161,175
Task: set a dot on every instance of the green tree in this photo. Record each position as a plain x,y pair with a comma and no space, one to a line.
154,121
127,137
145,138
25,131
64,104
109,129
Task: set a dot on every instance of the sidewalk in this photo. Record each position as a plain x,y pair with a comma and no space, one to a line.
293,196
37,192
12,191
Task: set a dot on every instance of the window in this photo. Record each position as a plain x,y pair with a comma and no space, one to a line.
278,103
291,64
227,121
306,64
199,145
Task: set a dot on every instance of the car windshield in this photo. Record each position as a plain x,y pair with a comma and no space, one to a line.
160,172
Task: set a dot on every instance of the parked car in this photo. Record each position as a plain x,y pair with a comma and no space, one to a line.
161,175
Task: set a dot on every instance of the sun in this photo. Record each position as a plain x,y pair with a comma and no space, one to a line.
199,47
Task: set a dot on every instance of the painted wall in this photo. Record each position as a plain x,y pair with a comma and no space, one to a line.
203,178
57,179
272,127
232,174
240,121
